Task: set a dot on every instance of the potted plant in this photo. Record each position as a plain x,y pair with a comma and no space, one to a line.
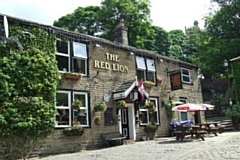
121,104
150,106
151,128
76,104
148,84
75,130
100,107
70,75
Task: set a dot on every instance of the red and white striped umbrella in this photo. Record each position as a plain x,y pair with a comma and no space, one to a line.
191,107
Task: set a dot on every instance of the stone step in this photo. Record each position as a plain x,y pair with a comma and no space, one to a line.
130,141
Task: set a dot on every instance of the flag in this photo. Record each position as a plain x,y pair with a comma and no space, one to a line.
141,89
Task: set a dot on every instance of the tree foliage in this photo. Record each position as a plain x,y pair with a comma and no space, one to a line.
28,84
222,36
104,19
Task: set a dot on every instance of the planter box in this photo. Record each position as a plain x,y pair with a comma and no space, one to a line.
72,76
148,85
73,133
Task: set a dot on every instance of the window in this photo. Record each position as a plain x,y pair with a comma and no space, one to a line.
62,55
63,108
81,115
186,77
65,114
141,68
184,115
80,58
151,70
146,69
183,99
144,115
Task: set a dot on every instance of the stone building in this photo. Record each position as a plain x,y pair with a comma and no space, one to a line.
112,71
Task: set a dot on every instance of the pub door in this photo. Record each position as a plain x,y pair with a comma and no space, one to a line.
125,123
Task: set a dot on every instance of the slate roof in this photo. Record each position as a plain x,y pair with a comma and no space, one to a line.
123,86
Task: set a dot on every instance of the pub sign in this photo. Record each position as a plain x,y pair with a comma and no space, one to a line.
176,82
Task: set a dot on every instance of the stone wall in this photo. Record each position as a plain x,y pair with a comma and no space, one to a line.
105,75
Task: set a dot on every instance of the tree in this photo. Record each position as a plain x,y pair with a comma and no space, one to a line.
162,41
28,84
82,20
223,36
92,19
178,45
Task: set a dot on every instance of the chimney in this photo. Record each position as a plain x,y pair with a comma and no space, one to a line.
121,33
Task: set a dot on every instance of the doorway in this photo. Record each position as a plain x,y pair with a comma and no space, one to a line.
127,123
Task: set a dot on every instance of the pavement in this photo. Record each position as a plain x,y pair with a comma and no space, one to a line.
222,147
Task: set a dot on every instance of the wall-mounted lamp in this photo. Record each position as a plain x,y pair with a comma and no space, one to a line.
200,75
161,60
225,63
131,53
134,95
97,45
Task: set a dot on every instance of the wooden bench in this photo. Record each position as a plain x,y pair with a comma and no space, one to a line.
113,136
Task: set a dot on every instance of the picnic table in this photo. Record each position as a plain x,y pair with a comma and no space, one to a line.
209,127
182,131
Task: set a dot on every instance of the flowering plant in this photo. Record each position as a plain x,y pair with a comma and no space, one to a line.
150,106
101,106
121,104
152,127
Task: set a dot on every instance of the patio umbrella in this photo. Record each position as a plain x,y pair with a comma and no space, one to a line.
191,107
209,106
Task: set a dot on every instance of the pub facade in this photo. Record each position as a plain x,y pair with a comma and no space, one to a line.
112,71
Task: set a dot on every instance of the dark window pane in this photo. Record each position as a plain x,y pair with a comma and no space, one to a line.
151,76
62,47
143,117
186,79
62,63
62,99
79,66
62,117
184,116
185,72
140,75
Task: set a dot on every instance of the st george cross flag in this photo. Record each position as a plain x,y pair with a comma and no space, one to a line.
141,88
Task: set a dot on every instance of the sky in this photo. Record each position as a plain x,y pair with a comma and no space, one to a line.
168,14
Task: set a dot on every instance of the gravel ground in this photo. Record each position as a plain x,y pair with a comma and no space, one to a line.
221,147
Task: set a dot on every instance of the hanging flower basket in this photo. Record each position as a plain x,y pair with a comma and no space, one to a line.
150,106
100,107
148,84
73,131
75,76
121,104
97,121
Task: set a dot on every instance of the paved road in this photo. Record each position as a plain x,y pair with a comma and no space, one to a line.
221,147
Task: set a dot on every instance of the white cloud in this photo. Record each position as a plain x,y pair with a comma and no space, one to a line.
168,14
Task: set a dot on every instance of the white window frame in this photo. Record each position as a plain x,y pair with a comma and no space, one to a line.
151,68
157,110
64,55
186,75
64,107
83,56
183,99
83,107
